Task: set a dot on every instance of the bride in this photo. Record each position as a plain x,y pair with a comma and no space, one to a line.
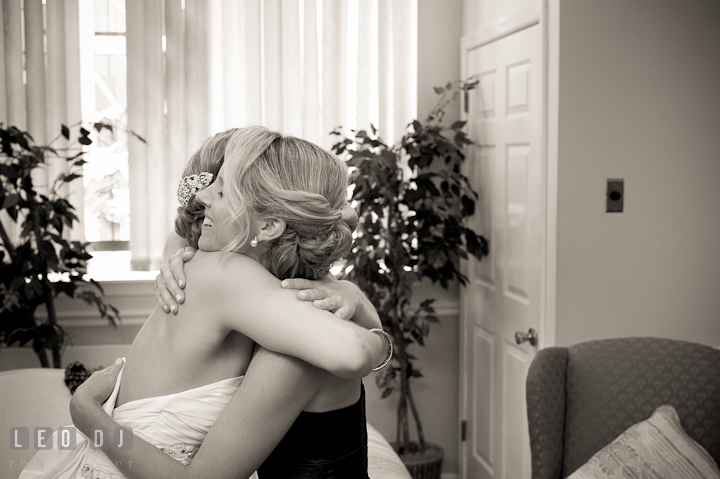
197,377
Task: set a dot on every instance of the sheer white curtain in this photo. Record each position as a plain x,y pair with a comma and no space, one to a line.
302,67
41,85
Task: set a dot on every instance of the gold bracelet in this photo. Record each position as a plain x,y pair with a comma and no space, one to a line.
385,335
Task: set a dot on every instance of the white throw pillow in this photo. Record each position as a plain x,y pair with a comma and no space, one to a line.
655,448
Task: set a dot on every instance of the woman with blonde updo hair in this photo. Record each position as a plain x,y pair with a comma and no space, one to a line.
274,211
278,176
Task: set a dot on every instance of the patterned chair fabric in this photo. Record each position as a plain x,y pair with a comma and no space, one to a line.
582,397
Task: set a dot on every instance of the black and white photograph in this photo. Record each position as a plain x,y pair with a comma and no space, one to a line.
359,239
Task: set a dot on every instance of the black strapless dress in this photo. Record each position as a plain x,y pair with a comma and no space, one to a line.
327,445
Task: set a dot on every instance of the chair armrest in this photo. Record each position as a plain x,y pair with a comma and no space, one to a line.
545,389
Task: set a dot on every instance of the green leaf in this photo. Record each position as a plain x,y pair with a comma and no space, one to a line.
65,131
75,156
137,136
10,201
476,245
9,172
99,126
84,140
468,206
33,288
413,150
426,305
458,124
438,89
21,336
66,287
71,177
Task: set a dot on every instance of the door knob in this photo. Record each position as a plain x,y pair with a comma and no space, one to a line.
531,336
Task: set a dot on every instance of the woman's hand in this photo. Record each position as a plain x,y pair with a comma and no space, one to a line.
93,392
342,298
171,280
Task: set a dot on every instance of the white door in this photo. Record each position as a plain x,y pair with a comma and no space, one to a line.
505,115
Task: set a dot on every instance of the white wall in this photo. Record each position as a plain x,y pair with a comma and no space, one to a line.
439,32
639,99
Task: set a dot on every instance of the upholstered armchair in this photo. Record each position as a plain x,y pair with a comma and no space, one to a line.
580,398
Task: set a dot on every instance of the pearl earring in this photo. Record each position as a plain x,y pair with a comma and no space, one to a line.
254,242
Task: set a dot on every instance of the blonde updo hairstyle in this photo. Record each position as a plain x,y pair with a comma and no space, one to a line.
209,157
271,175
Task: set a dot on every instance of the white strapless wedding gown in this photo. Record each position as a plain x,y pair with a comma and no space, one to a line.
175,423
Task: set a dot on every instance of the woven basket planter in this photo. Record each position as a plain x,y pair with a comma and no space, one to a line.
426,465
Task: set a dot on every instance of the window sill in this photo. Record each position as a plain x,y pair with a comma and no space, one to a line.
108,276
114,266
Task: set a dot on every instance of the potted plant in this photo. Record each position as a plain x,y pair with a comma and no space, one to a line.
41,262
412,199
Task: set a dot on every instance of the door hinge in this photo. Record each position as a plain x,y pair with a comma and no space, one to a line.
463,431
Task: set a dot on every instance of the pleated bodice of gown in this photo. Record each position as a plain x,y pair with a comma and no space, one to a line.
175,423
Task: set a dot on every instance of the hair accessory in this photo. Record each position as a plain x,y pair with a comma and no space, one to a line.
191,185
254,242
384,334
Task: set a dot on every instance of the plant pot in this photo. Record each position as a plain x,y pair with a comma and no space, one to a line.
424,465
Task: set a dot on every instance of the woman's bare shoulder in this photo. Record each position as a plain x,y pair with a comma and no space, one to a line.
220,270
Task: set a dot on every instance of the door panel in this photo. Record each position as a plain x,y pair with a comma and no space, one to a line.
504,293
481,177
516,439
483,358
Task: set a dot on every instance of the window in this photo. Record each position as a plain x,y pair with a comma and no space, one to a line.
196,68
104,99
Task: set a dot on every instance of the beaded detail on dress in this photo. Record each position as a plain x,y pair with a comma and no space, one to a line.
88,472
182,453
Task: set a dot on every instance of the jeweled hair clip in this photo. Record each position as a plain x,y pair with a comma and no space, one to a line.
191,185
